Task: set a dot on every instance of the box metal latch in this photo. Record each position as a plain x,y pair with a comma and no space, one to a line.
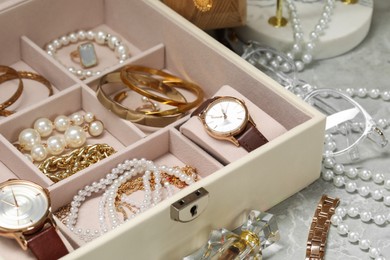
191,206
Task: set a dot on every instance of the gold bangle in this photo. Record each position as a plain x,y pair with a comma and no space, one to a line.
37,77
147,107
142,118
133,76
168,112
10,74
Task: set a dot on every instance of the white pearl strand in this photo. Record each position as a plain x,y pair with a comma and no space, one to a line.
119,175
150,198
100,37
302,52
372,93
30,139
375,94
333,171
354,237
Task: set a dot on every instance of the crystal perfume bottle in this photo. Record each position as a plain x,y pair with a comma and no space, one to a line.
259,231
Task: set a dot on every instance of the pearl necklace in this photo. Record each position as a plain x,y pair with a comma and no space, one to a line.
302,52
333,171
30,139
330,169
375,94
353,236
343,177
372,93
119,175
102,38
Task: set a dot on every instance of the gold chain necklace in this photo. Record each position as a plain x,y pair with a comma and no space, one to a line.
60,167
136,184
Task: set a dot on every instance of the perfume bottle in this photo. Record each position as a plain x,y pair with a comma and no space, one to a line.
259,231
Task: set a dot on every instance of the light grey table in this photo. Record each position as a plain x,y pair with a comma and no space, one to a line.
367,65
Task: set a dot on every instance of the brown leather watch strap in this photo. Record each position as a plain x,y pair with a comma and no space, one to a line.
251,138
203,106
318,233
46,244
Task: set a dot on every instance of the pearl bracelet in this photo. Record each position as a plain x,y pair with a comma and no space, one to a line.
100,37
74,128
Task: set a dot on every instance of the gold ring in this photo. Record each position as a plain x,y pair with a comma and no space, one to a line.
85,55
10,74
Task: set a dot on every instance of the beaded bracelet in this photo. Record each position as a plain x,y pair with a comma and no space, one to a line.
100,37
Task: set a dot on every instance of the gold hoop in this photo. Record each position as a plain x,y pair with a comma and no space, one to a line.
10,74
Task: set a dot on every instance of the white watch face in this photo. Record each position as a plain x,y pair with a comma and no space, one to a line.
225,116
21,205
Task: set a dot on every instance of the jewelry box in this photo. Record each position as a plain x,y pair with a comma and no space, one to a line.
159,38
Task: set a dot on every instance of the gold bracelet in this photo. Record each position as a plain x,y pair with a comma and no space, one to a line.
133,76
139,117
10,74
315,248
57,168
37,77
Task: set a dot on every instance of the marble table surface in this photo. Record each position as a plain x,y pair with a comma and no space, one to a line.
366,66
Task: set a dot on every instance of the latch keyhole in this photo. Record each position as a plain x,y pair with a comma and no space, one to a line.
194,210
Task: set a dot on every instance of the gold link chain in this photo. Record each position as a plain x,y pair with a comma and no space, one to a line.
60,167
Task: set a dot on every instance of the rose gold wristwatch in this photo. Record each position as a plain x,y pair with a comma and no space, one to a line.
25,215
227,118
315,248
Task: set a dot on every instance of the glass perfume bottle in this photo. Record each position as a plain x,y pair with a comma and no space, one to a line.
259,231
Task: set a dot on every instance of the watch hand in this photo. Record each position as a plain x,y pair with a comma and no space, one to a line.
13,195
216,116
9,203
17,213
224,114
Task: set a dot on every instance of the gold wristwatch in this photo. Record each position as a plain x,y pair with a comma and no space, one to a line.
318,233
25,215
227,118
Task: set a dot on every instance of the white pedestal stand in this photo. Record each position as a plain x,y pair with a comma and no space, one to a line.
349,25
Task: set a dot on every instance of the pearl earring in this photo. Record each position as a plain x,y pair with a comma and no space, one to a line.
74,128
